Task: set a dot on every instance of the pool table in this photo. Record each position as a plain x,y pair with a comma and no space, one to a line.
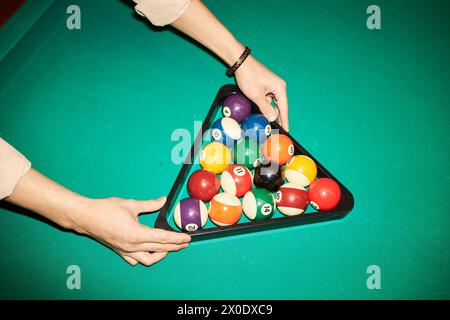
95,108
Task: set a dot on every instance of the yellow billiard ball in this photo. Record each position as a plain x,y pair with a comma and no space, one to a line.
301,170
215,157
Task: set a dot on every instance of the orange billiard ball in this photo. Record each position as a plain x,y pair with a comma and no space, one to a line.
278,148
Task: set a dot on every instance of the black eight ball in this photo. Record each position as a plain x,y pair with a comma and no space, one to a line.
268,176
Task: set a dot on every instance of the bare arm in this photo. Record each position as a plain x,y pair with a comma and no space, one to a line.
113,222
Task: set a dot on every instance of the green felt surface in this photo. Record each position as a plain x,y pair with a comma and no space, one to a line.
95,108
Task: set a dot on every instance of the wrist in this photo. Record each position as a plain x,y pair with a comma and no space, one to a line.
233,53
73,212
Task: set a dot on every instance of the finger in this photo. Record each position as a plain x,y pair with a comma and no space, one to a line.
266,109
149,205
282,104
270,98
147,259
130,260
147,234
160,247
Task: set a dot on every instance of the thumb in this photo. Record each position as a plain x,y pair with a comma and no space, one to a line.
266,109
150,205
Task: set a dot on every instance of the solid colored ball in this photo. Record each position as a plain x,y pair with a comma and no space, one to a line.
324,194
300,169
190,214
256,127
236,180
203,185
247,152
225,209
215,157
292,199
237,107
278,148
268,176
226,131
258,204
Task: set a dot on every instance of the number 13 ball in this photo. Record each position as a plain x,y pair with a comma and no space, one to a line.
190,214
225,209
215,157
258,204
324,194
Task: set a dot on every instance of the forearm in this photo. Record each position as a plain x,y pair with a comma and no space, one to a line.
47,198
201,25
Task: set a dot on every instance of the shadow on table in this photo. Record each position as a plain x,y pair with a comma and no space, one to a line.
136,16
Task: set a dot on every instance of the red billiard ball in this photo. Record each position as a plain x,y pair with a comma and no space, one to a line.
292,199
203,185
324,194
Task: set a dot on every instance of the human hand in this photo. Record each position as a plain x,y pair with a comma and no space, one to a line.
114,222
261,85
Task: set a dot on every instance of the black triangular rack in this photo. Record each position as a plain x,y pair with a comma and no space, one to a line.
340,211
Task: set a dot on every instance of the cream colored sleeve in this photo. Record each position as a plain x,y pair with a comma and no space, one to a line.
161,12
13,165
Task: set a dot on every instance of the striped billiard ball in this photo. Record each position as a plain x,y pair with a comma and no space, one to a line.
292,199
236,180
225,209
190,214
258,204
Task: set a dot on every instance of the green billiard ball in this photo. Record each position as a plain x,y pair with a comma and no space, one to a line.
258,204
247,152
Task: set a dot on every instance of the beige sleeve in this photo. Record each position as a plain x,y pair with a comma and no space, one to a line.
161,12
13,165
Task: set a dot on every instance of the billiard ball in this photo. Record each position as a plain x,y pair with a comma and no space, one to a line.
190,214
225,209
292,199
324,194
237,107
215,157
300,169
236,180
258,204
203,185
226,131
269,176
247,152
256,127
278,148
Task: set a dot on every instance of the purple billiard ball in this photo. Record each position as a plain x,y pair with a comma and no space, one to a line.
190,214
237,107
